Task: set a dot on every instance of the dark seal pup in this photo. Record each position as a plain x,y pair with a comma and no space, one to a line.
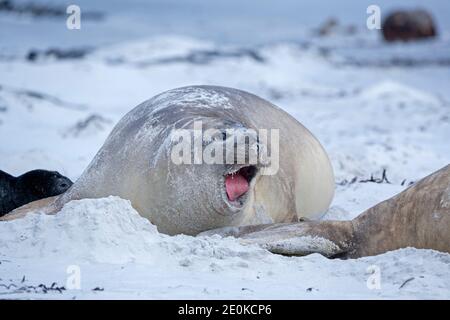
31,186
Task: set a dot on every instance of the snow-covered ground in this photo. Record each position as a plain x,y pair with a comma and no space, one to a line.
373,106
113,249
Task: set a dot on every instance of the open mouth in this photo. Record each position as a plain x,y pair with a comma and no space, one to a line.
237,184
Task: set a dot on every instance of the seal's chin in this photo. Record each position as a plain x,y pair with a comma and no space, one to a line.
237,183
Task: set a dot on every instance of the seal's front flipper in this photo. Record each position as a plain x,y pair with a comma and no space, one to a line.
329,238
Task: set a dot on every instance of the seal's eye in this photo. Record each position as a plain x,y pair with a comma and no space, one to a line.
220,136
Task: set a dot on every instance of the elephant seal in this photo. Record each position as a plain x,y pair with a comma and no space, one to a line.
135,163
28,187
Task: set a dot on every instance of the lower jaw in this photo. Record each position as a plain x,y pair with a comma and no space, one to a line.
229,208
239,203
236,205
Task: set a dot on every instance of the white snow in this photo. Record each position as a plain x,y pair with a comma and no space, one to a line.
122,253
370,115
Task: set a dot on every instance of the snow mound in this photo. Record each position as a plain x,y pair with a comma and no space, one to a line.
116,248
108,230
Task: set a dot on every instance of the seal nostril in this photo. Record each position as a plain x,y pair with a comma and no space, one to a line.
64,185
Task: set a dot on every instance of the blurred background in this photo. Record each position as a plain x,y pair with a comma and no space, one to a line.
378,100
250,22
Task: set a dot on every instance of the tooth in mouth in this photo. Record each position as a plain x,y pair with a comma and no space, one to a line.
237,183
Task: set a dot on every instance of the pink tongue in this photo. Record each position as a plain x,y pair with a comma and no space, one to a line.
236,185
